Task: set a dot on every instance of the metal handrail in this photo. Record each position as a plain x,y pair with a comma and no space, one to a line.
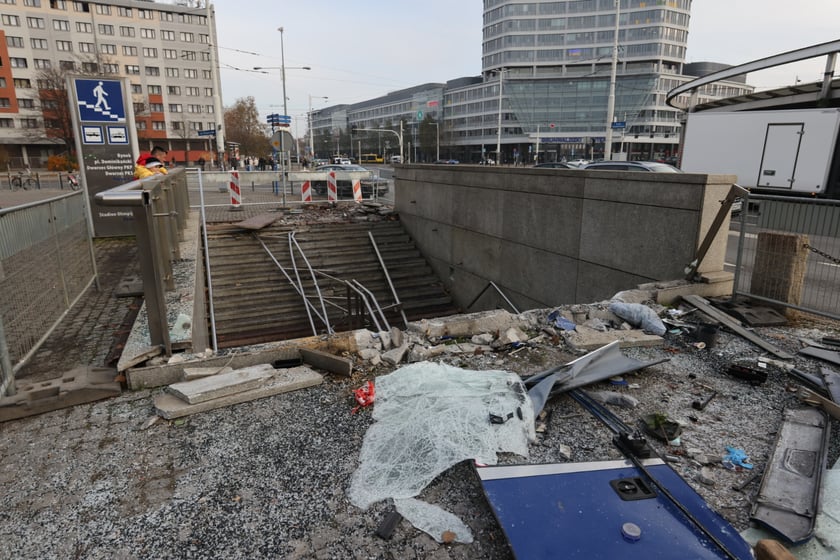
398,304
494,286
292,239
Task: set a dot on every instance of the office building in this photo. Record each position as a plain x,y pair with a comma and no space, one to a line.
546,82
167,51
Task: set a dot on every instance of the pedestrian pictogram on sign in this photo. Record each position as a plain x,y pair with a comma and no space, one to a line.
100,100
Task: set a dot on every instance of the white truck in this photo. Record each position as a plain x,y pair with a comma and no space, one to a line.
784,151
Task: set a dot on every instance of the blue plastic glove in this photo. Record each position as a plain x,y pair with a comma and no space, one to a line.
736,458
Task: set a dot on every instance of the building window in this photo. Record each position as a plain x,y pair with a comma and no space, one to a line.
124,12
207,74
5,102
193,91
64,46
173,90
147,33
149,52
204,38
190,73
156,107
29,123
175,108
7,123
105,29
187,37
22,83
195,125
167,35
110,68
145,14
155,90
108,49
126,31
11,21
184,18
139,108
209,109
188,55
103,9
81,7
39,44
141,125
137,88
172,72
132,69
129,50
193,108
58,4
61,25
205,56
67,65
170,54
31,3
166,16
87,47
14,41
35,22
26,103
17,62
2,82
84,27
42,63
158,125
90,67
152,71
177,125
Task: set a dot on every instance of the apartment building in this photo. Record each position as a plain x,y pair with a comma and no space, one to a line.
545,83
167,51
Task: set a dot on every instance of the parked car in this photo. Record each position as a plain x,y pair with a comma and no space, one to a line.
579,163
446,161
556,165
344,187
651,166
396,159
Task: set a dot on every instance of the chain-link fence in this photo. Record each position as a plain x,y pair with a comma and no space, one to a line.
46,263
788,253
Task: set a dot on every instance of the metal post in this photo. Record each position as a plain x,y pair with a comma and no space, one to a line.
611,100
499,131
286,113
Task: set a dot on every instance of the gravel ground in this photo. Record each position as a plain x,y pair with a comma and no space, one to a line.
268,478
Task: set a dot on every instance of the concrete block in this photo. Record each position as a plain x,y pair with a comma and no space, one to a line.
191,373
326,361
170,407
585,338
395,355
672,294
397,337
466,325
216,386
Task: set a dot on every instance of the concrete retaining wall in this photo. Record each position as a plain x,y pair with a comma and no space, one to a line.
550,236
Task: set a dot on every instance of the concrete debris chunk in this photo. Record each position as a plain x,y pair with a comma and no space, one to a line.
385,339
326,361
395,355
467,325
511,336
484,338
213,387
282,381
585,338
191,373
397,337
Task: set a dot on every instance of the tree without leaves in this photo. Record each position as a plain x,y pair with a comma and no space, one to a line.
242,125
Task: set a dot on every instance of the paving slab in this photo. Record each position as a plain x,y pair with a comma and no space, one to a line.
216,386
170,407
584,338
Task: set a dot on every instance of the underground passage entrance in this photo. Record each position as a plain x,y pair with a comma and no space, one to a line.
296,278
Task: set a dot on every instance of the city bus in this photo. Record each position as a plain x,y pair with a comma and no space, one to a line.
371,158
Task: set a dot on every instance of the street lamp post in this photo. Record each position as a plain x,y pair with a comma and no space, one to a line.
437,139
311,132
499,132
611,99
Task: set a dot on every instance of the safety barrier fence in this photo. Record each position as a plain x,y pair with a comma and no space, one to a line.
248,188
788,253
46,264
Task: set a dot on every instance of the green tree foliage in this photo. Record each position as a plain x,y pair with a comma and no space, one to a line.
243,125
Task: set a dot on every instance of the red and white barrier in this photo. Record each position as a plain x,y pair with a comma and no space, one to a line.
332,187
357,190
235,192
306,192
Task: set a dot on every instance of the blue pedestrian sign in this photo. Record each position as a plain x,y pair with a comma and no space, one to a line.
100,100
619,124
208,132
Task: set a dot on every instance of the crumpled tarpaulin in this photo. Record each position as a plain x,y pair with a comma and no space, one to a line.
429,417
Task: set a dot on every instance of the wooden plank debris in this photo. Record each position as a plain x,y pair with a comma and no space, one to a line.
216,386
170,407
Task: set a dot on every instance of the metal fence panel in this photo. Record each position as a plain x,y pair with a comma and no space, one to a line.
45,264
788,253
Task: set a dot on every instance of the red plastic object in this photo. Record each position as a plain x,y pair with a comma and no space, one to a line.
364,395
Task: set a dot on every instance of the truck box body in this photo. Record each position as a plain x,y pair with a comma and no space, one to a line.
786,151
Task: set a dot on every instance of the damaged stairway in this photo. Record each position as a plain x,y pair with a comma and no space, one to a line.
255,280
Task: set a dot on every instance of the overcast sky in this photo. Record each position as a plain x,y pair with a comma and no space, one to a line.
361,49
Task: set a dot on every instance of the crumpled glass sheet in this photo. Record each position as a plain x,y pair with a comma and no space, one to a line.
429,417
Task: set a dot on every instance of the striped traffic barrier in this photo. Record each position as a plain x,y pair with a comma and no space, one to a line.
235,192
332,188
357,190
306,192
